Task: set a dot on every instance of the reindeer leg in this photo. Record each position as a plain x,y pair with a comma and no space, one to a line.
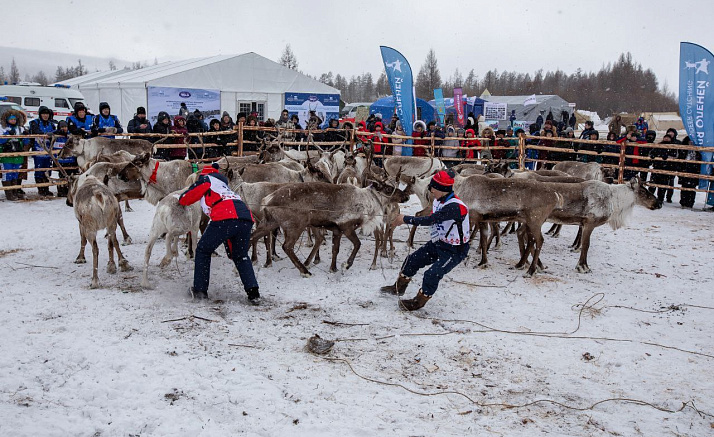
124,233
538,240
336,239
578,239
352,236
556,233
551,231
525,243
377,246
319,235
169,240
111,265
291,236
310,242
483,242
412,233
315,249
273,240
80,258
95,261
582,266
127,208
147,256
123,263
392,249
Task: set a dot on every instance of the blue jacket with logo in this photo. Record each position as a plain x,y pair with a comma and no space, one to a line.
39,127
101,123
80,127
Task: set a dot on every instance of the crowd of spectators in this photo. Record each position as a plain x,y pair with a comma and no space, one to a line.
476,140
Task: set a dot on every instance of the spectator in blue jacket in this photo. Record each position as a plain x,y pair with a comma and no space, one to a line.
642,126
42,125
60,138
105,122
80,123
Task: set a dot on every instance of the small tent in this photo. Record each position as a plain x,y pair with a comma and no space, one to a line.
661,121
529,113
386,107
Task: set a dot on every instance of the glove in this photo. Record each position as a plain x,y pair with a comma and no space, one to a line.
576,147
110,130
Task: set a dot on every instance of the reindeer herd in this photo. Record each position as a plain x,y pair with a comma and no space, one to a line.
313,191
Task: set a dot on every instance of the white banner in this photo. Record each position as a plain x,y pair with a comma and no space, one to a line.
170,99
494,111
530,100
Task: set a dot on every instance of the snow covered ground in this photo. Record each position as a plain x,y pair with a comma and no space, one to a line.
125,361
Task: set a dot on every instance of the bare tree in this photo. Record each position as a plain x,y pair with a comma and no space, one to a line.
383,88
41,78
429,77
288,58
3,78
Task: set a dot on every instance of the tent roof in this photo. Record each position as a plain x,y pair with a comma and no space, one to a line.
518,100
248,72
90,77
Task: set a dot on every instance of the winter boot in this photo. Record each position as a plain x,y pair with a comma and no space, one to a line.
414,303
18,192
253,295
9,194
197,295
399,287
44,191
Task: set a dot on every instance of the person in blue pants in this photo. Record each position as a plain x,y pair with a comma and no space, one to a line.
448,247
42,125
231,222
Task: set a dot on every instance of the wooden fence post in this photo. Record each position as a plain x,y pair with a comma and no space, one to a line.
521,152
240,138
621,165
352,139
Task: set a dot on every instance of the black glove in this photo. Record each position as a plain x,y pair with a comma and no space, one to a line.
576,147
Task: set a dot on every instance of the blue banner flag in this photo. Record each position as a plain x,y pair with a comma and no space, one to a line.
440,106
399,74
696,99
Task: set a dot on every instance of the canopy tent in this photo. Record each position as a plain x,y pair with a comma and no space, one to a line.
529,113
661,121
386,107
244,81
471,104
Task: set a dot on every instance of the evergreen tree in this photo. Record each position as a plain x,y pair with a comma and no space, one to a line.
429,77
14,72
288,58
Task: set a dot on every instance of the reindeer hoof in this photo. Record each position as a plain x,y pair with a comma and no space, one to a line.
333,270
80,261
146,285
127,241
128,209
268,265
483,265
94,285
575,249
305,274
164,262
346,265
124,266
276,258
528,274
583,269
111,268
316,261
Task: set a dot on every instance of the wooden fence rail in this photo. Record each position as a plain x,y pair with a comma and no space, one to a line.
518,147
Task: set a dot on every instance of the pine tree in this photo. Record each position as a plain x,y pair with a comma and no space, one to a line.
14,72
383,88
429,77
2,76
288,58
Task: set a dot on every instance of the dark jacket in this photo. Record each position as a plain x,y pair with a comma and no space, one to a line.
133,126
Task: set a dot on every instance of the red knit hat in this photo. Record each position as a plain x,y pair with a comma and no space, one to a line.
442,181
213,168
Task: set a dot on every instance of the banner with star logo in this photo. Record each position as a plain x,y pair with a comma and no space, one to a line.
399,74
696,100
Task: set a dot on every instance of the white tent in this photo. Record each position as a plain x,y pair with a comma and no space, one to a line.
241,79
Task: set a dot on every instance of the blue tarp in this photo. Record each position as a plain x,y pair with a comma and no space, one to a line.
385,106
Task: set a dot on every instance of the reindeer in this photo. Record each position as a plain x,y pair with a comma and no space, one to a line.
88,150
96,208
412,165
107,172
159,178
338,208
590,204
349,174
495,200
173,220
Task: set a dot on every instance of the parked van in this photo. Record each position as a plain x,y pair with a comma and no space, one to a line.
59,98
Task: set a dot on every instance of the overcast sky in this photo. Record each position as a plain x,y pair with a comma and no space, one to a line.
344,36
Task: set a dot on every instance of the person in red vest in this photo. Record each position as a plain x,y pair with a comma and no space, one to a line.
231,222
419,132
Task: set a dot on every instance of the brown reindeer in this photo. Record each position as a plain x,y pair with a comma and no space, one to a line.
495,200
338,208
96,208
590,204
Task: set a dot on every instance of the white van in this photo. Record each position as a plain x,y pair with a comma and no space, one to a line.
59,98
